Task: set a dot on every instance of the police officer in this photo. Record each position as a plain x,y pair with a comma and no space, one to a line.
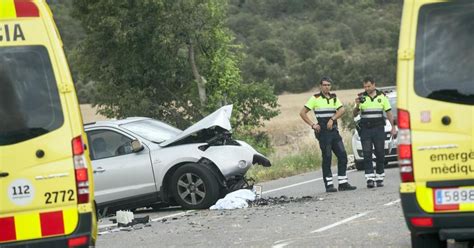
372,103
328,109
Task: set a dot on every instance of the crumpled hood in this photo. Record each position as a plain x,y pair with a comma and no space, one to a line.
220,118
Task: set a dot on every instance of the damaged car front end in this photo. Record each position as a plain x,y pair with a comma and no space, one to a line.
191,168
232,158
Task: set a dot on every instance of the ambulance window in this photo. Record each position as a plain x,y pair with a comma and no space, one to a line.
29,98
445,52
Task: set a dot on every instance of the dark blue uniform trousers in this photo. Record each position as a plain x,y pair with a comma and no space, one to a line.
331,141
373,138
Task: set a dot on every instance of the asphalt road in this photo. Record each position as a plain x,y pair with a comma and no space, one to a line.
313,218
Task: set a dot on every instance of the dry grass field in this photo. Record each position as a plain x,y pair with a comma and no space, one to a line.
89,114
289,134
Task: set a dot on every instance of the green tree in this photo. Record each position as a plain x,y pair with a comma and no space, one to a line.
346,39
306,41
170,59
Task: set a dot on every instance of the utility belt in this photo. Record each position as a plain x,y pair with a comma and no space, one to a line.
324,132
323,123
366,123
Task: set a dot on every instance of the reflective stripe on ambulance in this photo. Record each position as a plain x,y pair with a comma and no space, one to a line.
17,8
37,225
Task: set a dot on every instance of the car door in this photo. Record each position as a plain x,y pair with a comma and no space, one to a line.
120,175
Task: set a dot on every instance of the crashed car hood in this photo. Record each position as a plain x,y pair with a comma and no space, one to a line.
219,118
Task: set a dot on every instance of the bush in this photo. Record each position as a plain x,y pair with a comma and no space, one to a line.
307,159
257,139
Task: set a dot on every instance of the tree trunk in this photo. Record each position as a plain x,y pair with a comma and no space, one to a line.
201,82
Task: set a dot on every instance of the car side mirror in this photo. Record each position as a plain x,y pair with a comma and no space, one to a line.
137,146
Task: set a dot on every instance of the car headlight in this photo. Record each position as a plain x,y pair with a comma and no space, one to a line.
242,164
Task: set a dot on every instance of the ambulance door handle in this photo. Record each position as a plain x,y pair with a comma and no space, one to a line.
99,170
4,174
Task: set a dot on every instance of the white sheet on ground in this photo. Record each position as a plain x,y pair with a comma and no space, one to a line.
234,200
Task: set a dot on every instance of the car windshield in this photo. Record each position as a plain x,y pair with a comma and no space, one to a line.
152,130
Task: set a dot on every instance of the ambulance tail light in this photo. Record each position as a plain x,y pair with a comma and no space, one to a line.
405,159
80,167
422,221
26,8
78,241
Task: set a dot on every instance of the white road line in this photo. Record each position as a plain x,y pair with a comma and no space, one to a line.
172,215
292,185
392,202
106,225
351,218
154,220
282,244
322,229
298,184
285,242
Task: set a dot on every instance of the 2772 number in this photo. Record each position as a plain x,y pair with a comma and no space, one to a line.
59,196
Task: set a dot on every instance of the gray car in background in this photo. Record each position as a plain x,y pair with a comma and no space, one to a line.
140,162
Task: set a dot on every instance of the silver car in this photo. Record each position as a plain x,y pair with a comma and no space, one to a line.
140,162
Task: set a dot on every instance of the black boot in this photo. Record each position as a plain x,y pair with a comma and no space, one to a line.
379,183
345,187
331,189
370,184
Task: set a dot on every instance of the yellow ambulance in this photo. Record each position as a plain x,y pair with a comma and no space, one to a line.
46,191
435,85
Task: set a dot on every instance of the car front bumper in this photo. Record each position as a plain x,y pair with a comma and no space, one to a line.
235,160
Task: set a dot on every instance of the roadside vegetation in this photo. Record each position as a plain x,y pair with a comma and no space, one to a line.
306,159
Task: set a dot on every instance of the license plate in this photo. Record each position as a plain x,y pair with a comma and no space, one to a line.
454,196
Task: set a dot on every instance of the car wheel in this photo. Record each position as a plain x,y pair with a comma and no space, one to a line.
194,187
427,240
359,164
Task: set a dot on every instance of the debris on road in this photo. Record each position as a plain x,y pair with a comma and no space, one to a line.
234,200
279,200
124,218
142,220
244,198
126,222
